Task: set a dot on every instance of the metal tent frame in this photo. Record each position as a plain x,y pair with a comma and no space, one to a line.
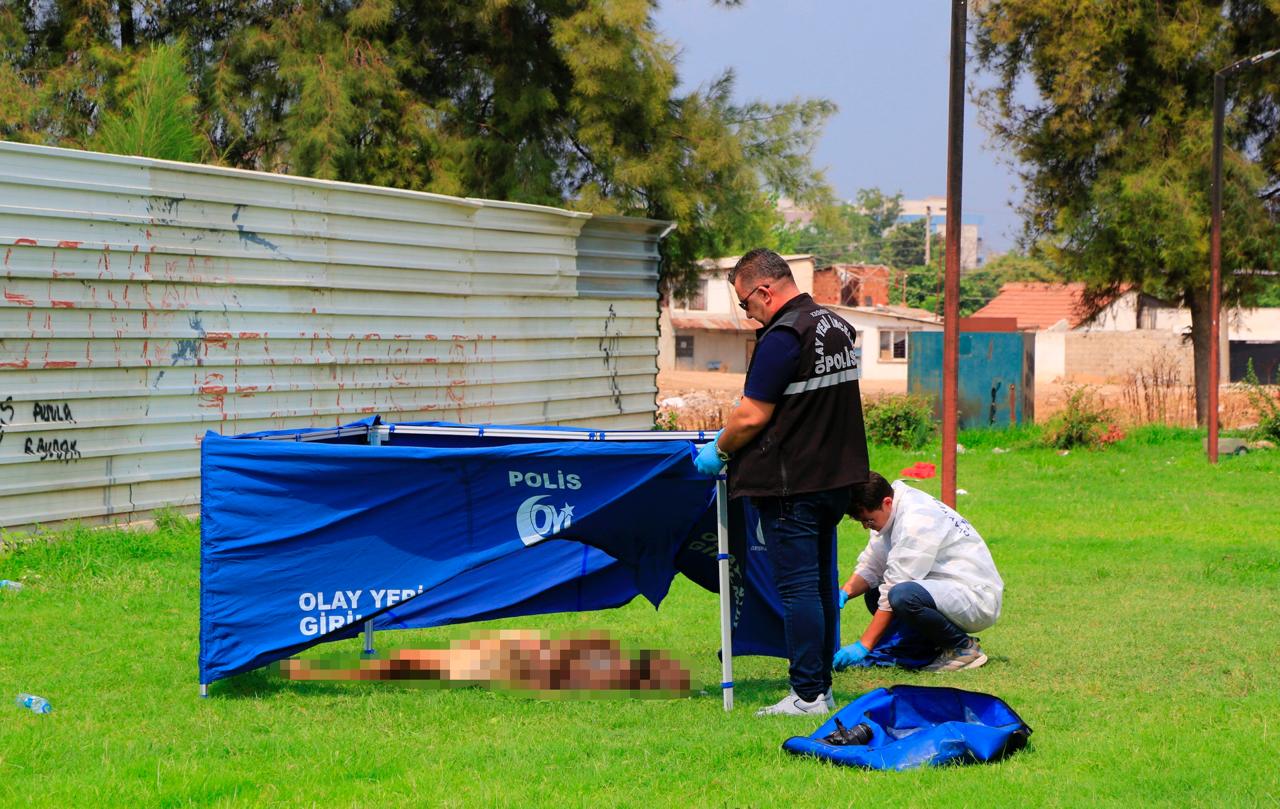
381,434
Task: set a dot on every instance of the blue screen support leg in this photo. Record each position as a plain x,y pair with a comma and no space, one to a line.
726,593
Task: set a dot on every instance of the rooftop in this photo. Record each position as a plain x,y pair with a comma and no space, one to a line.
1037,304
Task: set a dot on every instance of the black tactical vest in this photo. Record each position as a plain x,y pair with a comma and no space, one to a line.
815,440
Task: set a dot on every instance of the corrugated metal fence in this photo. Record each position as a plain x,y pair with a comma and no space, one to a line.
145,302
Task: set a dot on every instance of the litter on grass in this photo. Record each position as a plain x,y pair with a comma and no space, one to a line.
920,470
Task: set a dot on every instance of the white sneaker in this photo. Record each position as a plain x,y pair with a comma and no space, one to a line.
967,656
829,698
792,705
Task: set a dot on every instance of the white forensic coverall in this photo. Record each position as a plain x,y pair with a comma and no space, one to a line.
927,542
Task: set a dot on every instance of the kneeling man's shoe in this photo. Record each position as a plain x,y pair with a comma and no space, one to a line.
792,705
967,655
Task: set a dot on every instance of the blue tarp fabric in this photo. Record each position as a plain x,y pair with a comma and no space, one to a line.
304,540
916,726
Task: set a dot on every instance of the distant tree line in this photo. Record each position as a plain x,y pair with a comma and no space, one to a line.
560,102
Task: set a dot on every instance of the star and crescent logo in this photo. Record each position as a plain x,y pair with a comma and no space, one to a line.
535,520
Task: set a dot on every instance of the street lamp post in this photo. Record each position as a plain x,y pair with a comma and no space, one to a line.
1215,239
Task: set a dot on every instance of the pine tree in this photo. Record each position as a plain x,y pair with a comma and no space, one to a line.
561,102
1116,148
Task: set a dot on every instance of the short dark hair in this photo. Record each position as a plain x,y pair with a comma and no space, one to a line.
760,264
868,496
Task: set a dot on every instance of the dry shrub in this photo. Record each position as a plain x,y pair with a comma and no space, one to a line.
1156,392
697,410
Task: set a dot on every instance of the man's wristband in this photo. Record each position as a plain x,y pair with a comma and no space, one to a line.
722,455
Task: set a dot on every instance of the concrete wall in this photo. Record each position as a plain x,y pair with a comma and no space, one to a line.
1110,356
730,349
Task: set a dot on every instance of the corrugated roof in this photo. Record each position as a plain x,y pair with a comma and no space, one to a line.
1037,305
714,322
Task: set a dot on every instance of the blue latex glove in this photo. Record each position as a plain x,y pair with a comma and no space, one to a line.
849,656
843,596
707,462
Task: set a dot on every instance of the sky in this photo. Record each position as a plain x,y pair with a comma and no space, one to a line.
884,64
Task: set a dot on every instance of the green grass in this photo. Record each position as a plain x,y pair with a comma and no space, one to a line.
1138,640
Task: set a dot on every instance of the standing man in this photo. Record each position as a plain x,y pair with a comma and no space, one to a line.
795,444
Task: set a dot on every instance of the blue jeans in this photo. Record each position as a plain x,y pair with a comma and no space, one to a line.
799,535
918,612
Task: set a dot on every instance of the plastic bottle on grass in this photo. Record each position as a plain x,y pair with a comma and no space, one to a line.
6,584
33,703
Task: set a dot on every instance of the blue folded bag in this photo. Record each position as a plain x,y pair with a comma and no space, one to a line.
913,726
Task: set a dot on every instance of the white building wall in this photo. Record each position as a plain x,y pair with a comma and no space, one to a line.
1120,315
1051,356
1253,324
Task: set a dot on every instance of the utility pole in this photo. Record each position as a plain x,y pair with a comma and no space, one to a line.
928,235
951,320
1215,240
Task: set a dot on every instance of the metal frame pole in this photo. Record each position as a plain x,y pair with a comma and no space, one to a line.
1215,243
951,283
375,440
726,592
1215,262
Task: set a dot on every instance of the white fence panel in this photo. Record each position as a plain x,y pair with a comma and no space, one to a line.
145,302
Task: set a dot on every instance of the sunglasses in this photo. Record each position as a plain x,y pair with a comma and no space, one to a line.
742,304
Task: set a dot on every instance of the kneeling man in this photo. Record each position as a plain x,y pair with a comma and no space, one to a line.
925,565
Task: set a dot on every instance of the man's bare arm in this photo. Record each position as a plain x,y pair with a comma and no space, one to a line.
745,423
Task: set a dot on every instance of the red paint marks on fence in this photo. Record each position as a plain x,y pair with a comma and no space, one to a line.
60,364
370,409
68,244
214,385
246,390
250,335
373,336
57,304
21,300
457,391
218,338
31,242
23,363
